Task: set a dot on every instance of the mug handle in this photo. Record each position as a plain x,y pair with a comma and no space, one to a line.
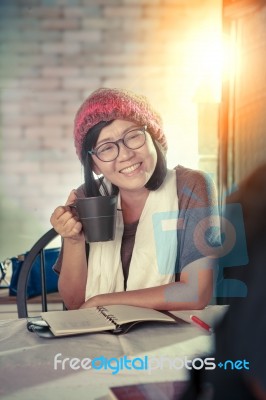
73,206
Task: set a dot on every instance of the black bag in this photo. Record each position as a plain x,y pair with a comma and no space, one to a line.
34,280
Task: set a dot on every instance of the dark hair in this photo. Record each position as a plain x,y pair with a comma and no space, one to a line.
93,184
160,171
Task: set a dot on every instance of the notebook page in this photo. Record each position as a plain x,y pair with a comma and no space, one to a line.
76,321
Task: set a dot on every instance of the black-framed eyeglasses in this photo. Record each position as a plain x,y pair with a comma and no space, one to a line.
109,151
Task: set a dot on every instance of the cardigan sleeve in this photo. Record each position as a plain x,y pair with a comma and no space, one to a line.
198,223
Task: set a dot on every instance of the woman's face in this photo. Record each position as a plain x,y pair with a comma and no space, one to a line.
132,169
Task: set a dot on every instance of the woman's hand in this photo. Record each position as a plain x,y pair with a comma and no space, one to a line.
65,222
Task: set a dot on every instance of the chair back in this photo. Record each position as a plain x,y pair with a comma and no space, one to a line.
38,250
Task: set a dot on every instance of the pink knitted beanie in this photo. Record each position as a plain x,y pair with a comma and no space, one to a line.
109,104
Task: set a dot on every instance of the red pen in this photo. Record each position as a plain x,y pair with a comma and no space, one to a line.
201,323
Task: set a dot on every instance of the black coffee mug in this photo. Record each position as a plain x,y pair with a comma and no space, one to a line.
97,216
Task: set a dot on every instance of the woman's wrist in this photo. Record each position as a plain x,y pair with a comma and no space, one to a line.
74,242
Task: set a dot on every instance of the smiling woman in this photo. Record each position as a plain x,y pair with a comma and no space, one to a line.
120,141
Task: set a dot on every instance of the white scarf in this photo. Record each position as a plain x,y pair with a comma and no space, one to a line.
155,249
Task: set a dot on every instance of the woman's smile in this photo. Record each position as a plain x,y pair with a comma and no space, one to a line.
129,170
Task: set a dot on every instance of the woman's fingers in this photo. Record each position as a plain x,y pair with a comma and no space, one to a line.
65,221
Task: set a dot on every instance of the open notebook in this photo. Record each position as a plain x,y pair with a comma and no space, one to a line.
115,318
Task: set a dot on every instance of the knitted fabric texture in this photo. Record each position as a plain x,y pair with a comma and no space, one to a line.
109,104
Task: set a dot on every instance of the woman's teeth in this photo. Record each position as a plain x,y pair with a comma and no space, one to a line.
130,169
